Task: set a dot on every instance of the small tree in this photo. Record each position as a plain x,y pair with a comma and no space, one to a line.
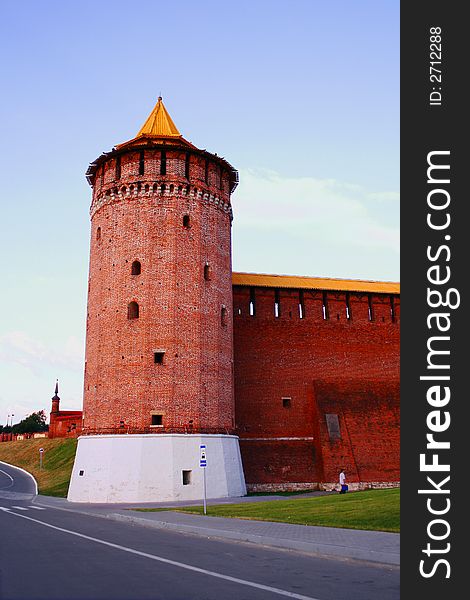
34,423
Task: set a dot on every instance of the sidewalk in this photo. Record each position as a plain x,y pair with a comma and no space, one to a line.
373,546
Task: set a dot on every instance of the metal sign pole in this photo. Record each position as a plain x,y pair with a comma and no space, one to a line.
205,503
41,451
203,465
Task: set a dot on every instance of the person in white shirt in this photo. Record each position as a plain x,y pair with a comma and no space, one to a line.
342,482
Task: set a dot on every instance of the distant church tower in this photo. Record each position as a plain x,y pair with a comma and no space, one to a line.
159,346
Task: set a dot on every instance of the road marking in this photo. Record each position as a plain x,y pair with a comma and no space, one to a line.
20,507
37,507
4,509
10,477
25,472
167,561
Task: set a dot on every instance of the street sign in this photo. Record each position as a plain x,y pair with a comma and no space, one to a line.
41,450
203,465
202,456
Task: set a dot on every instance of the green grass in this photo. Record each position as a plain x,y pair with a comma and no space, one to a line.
54,477
377,510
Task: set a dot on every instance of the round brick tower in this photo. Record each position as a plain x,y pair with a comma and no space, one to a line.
159,346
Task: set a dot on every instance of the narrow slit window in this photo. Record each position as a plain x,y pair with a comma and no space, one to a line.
301,305
157,420
158,357
370,307
207,271
163,163
186,477
286,402
252,303
98,234
206,171
223,316
103,172
132,310
118,167
277,304
186,221
392,309
186,166
141,162
221,179
136,268
325,306
348,307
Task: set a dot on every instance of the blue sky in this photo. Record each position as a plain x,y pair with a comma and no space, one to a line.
301,97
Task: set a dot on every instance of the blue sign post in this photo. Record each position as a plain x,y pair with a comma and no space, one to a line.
203,465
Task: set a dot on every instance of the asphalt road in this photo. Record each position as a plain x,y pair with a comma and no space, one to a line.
56,554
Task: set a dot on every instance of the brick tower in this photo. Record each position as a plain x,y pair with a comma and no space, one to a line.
159,349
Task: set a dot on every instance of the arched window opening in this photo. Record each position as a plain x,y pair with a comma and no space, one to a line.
325,306
370,307
132,310
277,304
223,316
186,165
163,163
186,222
252,302
348,307
98,234
136,268
141,162
207,271
301,305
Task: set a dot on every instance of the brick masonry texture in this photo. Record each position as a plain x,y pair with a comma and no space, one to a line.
183,291
308,379
348,367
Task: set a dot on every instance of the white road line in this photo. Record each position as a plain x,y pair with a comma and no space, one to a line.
174,563
20,507
37,507
4,509
10,477
26,472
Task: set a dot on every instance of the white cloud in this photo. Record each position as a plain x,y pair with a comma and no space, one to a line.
317,209
20,348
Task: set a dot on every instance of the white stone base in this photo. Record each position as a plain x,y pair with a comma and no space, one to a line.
149,468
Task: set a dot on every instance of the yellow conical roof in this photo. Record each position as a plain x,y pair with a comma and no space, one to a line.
159,123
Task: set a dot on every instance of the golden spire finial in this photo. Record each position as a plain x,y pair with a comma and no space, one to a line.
159,122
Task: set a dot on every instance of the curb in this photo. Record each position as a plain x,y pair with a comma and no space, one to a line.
20,469
325,550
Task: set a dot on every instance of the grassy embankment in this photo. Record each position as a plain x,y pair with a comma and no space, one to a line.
377,510
53,479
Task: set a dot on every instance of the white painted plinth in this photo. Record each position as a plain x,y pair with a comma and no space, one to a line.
149,468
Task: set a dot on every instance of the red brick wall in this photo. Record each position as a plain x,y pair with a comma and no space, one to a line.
141,218
65,424
340,366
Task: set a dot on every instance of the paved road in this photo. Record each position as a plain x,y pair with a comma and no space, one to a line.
56,554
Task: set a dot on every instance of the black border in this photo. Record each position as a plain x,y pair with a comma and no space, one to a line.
426,128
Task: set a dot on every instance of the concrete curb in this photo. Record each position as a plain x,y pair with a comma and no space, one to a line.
323,549
26,472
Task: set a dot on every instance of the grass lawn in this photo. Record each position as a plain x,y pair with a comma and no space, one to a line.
54,477
372,510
